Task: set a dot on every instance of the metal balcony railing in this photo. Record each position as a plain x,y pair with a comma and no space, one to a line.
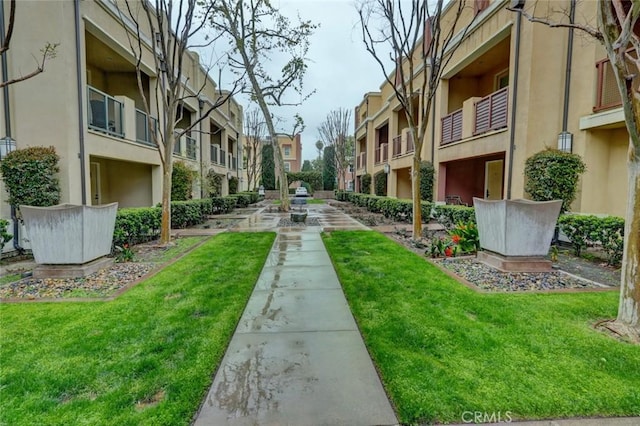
361,160
410,145
105,112
192,148
490,112
177,146
214,153
143,133
452,127
382,153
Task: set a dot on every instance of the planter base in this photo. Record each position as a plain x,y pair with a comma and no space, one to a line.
515,263
71,271
299,217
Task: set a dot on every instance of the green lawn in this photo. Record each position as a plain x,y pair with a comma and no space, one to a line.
146,358
443,350
9,278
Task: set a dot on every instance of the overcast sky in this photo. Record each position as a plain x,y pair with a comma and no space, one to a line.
340,69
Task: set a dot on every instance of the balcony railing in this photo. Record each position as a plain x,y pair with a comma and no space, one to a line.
382,153
607,93
214,153
223,157
192,148
452,127
397,146
105,112
490,112
410,145
177,145
361,160
233,162
143,134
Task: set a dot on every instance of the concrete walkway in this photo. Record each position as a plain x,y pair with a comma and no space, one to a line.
297,357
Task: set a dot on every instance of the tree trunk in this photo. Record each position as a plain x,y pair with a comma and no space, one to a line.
415,192
165,228
629,308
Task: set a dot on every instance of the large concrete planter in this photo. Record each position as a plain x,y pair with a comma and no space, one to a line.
69,234
517,230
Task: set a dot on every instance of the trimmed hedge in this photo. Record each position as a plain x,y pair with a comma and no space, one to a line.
137,225
589,230
449,215
399,210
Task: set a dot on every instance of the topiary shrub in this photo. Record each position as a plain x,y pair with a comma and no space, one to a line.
182,178
380,184
30,175
553,175
214,183
427,174
233,185
329,172
365,183
268,167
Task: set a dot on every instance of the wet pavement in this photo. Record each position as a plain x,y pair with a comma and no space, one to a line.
297,357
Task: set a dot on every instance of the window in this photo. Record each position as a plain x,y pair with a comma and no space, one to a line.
502,79
287,166
287,150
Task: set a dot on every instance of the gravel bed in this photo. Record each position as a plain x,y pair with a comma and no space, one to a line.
287,223
99,284
491,279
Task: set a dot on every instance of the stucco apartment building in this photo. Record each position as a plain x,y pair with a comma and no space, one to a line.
87,105
291,149
512,89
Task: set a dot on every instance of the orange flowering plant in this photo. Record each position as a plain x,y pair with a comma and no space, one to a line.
465,236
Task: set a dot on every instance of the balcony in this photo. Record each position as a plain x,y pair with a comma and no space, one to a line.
105,113
490,112
607,92
143,133
361,160
477,116
382,153
397,146
452,127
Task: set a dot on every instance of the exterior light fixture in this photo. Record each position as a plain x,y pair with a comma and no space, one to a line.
565,141
229,175
387,168
7,145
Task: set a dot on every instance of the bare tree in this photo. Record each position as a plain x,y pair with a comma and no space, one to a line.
401,27
335,131
170,27
618,31
47,52
254,132
257,33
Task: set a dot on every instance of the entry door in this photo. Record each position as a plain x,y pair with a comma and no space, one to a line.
493,179
94,174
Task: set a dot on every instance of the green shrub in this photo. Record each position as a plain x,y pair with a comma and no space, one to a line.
30,175
342,196
4,235
182,178
185,214
242,200
365,184
214,183
137,225
427,174
233,185
268,179
398,210
553,175
448,215
584,231
314,179
222,205
380,184
253,196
